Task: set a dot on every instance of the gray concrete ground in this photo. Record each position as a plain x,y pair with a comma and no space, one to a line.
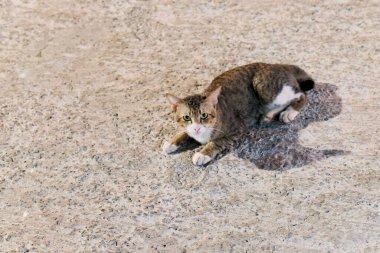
83,116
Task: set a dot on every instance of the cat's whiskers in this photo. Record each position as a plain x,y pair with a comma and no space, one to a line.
216,129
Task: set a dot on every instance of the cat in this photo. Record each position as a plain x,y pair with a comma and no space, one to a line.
234,101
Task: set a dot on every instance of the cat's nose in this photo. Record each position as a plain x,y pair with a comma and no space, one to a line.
197,129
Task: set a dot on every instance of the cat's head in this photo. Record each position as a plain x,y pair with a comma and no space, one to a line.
196,114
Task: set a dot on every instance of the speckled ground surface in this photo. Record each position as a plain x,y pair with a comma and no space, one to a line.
83,116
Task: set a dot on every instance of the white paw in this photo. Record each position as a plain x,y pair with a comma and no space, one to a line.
288,115
200,159
169,148
266,119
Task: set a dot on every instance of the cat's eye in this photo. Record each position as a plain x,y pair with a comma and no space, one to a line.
186,118
204,115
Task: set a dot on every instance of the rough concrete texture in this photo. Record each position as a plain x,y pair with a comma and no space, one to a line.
83,117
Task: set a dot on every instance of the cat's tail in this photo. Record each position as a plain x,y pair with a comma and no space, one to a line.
304,80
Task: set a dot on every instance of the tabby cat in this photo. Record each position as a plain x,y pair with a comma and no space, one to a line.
235,100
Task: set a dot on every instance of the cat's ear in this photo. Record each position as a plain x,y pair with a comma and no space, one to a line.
173,101
213,96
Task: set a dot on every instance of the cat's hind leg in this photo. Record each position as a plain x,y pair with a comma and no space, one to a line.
293,109
283,99
269,115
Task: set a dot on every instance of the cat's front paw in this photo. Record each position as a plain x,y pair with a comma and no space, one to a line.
288,115
169,148
200,159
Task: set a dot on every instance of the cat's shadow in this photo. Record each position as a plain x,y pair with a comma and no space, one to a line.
275,146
